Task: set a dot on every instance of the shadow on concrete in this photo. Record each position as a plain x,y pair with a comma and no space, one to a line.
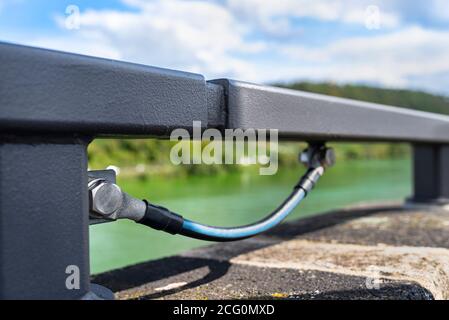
396,291
330,219
153,271
216,257
287,231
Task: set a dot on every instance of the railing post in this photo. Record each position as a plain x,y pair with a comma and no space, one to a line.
431,174
43,218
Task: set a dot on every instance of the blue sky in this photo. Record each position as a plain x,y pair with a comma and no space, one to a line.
396,43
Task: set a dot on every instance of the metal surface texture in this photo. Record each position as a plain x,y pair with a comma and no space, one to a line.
431,174
49,99
109,203
106,198
43,218
53,92
102,175
306,116
49,91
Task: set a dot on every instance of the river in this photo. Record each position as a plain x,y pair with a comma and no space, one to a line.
235,199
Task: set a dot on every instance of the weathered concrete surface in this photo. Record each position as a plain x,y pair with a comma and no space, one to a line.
363,252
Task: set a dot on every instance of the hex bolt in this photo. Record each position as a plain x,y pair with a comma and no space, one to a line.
106,198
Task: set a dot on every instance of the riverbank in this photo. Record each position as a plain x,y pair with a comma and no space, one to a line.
145,158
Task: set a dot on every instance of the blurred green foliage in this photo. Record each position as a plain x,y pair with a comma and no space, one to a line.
145,157
411,99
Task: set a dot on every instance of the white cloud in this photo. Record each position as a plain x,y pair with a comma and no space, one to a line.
216,40
440,9
88,44
191,35
391,59
274,15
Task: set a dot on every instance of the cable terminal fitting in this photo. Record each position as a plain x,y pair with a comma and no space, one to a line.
109,202
316,158
317,155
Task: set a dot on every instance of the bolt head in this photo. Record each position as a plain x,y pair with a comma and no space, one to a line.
106,198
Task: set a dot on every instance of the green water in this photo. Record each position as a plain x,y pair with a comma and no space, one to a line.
235,199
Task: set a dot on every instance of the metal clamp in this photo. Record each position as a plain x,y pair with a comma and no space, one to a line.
106,199
107,202
317,155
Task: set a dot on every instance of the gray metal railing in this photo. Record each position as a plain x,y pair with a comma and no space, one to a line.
53,104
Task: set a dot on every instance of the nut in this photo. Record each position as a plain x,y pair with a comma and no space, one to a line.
106,198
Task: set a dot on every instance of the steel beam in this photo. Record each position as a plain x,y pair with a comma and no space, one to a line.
55,92
49,99
44,218
44,91
431,174
307,116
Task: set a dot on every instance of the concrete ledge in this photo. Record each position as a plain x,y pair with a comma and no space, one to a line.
428,267
362,252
